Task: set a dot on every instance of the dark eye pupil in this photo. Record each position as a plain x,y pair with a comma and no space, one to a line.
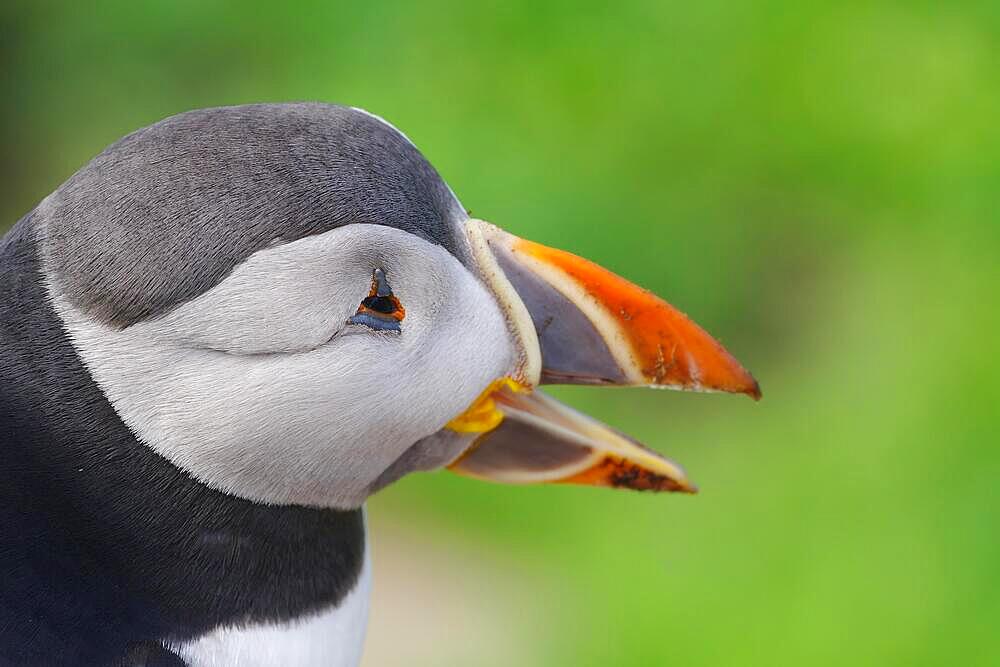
380,304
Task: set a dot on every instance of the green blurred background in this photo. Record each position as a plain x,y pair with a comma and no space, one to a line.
815,183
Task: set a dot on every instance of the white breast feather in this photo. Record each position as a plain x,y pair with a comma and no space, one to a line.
330,638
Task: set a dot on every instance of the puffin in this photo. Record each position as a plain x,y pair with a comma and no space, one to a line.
229,329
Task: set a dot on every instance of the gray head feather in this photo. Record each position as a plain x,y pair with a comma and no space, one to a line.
167,212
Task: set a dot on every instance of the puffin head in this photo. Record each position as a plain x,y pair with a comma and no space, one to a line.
290,304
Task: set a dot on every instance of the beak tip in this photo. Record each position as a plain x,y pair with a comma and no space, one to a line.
675,486
753,391
688,487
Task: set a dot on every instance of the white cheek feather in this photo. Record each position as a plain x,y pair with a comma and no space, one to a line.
329,638
244,388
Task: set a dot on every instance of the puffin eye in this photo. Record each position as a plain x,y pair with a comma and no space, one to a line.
380,310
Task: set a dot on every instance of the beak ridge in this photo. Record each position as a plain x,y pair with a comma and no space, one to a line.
595,327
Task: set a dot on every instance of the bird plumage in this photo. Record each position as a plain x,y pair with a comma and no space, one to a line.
106,546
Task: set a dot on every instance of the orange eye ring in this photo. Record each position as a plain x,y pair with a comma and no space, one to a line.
383,306
380,310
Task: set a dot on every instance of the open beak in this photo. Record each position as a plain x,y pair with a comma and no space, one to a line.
578,323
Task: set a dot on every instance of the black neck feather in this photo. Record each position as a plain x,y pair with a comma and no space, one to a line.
105,545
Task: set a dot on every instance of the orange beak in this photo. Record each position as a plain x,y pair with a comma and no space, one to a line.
578,323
